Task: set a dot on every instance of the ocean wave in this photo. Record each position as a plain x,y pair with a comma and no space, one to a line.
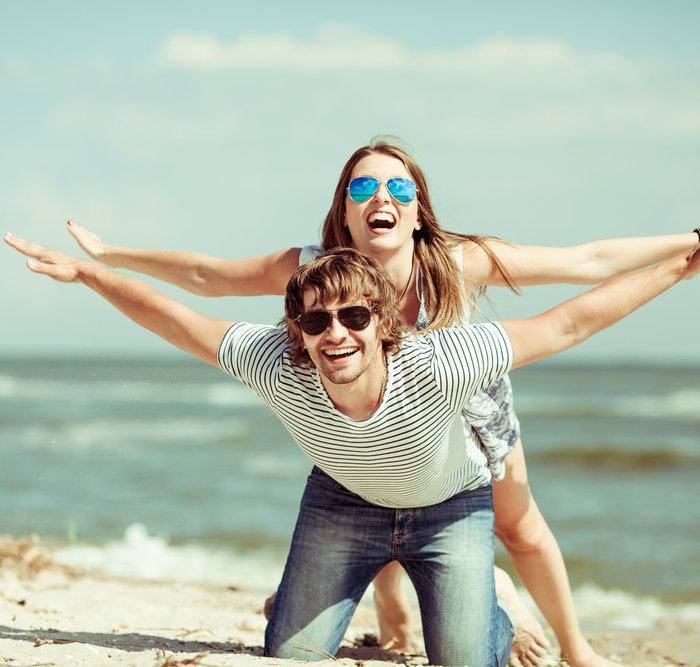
601,608
683,404
681,454
140,555
128,434
213,393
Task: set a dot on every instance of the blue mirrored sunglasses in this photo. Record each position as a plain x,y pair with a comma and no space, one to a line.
403,190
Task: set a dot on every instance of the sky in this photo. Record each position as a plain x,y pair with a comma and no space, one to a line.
221,127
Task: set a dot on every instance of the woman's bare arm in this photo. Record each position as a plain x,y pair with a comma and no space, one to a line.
584,264
577,319
196,272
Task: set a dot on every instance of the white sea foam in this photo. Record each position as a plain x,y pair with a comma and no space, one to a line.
622,610
144,556
140,555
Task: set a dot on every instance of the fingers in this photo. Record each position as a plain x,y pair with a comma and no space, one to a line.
528,649
35,251
42,260
15,242
87,240
80,233
63,273
27,248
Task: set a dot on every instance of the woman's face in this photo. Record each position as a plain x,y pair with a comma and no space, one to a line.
381,224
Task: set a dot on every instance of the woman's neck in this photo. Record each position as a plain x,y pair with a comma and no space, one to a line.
399,265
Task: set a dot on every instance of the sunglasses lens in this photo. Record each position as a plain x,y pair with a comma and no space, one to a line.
355,317
402,189
315,322
362,188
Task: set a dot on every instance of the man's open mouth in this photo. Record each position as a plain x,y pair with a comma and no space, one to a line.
340,353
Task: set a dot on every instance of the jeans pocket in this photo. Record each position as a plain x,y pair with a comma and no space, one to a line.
321,480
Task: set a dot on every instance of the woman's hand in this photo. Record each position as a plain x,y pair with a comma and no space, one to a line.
89,242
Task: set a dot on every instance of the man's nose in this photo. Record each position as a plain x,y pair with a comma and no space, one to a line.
335,330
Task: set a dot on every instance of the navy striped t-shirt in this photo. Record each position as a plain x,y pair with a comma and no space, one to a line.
411,452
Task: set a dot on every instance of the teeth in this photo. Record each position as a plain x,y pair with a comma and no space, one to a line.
381,215
337,352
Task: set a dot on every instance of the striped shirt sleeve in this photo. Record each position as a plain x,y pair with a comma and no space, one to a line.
470,358
253,354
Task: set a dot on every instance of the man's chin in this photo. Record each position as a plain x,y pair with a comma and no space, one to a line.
339,375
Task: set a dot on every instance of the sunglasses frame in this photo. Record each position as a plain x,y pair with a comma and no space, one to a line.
386,183
338,314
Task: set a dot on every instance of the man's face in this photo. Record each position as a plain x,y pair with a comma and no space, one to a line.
341,354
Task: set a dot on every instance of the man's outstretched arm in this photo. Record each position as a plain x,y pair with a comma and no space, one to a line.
188,330
577,319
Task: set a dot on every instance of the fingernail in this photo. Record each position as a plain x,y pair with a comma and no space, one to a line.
69,223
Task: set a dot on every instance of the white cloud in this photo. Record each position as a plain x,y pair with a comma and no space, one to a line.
341,48
641,116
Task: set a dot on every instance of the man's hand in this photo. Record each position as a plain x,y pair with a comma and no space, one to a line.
52,263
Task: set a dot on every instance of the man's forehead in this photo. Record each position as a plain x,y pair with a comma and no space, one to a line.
311,301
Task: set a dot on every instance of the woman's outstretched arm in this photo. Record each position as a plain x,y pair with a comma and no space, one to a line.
577,319
587,263
196,272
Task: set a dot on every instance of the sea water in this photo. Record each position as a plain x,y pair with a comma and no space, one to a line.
169,469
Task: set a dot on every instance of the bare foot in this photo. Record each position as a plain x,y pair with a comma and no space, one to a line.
530,644
585,656
395,626
393,611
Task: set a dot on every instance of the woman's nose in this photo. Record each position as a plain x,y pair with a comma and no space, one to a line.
382,194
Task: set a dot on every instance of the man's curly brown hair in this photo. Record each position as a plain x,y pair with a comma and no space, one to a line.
342,274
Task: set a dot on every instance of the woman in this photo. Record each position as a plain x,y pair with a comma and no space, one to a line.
435,273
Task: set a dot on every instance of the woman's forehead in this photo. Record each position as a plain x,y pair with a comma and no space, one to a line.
380,166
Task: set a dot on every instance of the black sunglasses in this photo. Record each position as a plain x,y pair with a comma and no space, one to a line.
314,322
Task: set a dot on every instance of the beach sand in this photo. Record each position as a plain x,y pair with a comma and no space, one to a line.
51,614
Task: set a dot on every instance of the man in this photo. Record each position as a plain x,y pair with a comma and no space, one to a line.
376,412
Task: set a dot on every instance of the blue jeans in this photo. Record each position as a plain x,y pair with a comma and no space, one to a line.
341,542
